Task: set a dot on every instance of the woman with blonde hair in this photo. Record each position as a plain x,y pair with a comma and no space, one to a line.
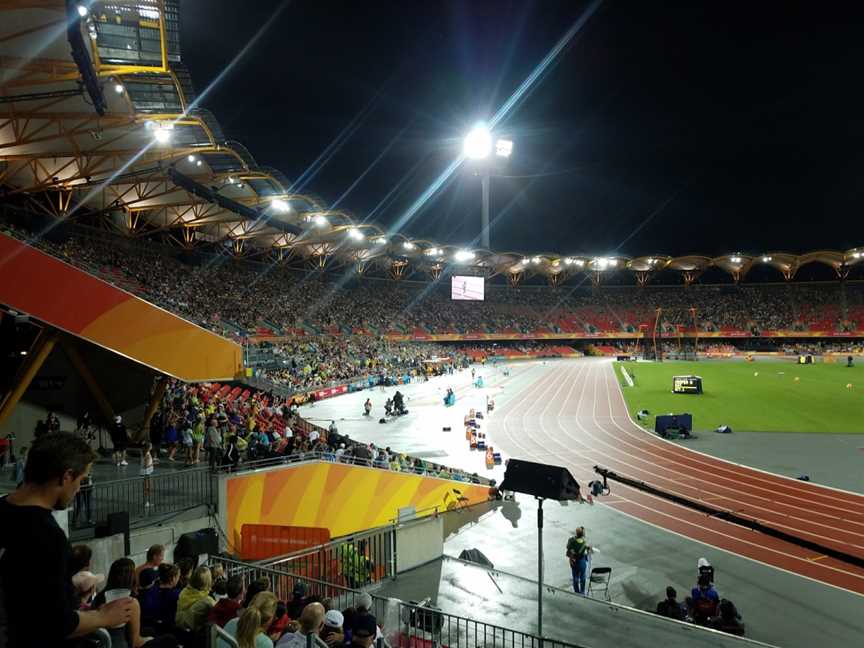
250,628
194,603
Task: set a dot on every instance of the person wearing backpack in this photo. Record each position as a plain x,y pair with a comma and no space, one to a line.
578,550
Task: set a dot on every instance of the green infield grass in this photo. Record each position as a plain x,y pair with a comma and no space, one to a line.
752,397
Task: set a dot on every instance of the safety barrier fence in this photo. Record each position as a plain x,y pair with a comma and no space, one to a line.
426,469
172,491
220,639
403,624
355,561
157,494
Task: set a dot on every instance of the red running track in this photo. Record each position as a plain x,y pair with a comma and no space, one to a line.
575,415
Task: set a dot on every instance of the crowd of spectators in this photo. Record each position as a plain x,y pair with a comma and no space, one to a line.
311,361
231,428
49,595
243,297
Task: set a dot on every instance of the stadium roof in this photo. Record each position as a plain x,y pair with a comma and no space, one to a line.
114,131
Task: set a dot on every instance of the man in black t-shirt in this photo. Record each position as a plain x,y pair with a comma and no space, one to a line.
671,607
38,605
120,441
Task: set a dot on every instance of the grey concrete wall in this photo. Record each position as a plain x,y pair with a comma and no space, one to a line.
107,550
419,542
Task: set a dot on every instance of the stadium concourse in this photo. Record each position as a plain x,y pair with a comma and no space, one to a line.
572,413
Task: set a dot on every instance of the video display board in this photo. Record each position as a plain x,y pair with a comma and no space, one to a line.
467,288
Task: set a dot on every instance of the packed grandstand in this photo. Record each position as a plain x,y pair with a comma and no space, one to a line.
367,326
251,299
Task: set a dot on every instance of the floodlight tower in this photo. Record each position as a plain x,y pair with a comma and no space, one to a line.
478,147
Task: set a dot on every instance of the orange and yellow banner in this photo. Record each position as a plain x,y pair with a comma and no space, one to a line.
79,303
342,498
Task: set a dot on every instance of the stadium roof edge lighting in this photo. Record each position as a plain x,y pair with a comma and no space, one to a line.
280,205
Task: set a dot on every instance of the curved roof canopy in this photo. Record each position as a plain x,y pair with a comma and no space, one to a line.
115,130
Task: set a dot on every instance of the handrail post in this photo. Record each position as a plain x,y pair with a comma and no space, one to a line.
540,570
393,560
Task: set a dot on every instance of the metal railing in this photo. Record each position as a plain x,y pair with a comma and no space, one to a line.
218,638
422,625
356,561
403,624
157,494
282,583
428,469
172,491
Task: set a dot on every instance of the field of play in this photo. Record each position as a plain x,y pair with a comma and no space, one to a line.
753,397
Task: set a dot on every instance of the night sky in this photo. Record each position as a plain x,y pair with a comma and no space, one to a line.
699,127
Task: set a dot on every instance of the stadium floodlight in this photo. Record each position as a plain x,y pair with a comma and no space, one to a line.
535,260
525,261
478,142
381,240
856,255
478,145
83,10
464,255
766,259
191,158
280,205
504,148
735,259
433,251
320,221
118,88
580,262
198,163
408,245
356,234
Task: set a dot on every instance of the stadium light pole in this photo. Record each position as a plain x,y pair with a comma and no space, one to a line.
478,146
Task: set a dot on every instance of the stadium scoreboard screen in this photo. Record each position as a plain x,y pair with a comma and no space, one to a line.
467,288
686,384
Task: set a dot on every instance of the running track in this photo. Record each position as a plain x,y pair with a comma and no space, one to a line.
574,415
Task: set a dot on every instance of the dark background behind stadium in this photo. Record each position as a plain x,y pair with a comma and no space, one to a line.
664,127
